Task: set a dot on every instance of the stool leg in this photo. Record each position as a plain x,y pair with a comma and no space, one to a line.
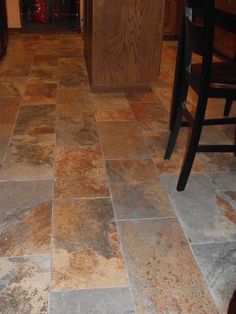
228,105
193,145
177,121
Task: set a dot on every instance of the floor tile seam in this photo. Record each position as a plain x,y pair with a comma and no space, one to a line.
82,198
213,243
89,289
117,228
146,219
11,136
27,180
25,256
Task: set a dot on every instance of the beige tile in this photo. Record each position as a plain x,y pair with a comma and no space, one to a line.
86,252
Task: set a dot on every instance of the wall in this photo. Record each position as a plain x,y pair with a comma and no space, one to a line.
13,13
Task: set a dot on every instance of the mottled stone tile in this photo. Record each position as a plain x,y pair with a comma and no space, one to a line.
8,110
81,98
29,157
96,301
157,146
72,64
86,250
122,140
76,128
73,79
205,215
143,96
12,86
43,74
162,271
40,94
80,172
5,135
136,190
217,263
24,284
25,211
14,69
45,60
36,120
109,112
150,116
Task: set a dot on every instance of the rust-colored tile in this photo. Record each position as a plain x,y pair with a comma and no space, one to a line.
5,135
24,284
122,140
47,60
29,157
40,94
72,65
35,120
80,173
12,86
113,110
145,96
86,252
8,110
150,116
43,74
136,190
25,209
163,273
76,128
73,79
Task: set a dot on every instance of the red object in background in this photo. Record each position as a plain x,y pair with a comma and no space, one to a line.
39,11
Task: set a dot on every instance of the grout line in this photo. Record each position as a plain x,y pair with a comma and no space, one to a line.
89,289
145,218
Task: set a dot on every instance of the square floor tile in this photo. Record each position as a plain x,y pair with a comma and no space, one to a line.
136,190
122,140
40,94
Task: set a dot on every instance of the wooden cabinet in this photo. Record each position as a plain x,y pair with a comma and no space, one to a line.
171,18
3,27
123,42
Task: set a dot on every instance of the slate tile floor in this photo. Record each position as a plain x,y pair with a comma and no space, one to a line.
90,218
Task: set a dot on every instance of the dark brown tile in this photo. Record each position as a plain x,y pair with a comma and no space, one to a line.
29,158
25,209
40,94
76,128
136,190
24,284
35,120
86,252
43,74
80,173
73,79
122,140
145,96
8,110
162,271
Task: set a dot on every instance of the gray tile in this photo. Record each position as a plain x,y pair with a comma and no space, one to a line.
224,181
136,190
218,264
205,214
98,301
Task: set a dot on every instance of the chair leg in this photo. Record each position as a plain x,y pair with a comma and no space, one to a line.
192,146
177,120
228,105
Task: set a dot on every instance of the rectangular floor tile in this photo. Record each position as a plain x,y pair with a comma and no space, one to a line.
43,74
97,301
25,218
136,190
112,110
29,157
217,263
24,283
40,94
36,120
86,252
80,172
163,273
206,216
76,129
122,140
